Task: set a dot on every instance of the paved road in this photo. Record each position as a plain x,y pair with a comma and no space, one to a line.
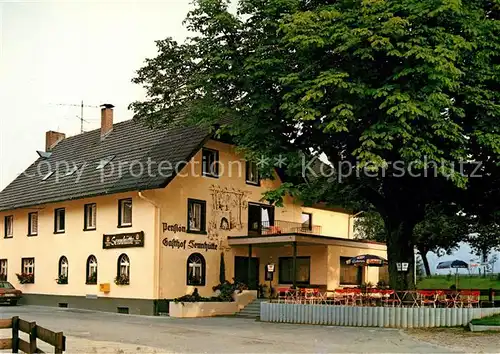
210,335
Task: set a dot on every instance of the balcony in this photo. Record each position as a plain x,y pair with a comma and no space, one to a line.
283,227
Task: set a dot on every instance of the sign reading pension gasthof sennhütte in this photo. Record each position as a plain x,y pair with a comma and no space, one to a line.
132,239
191,244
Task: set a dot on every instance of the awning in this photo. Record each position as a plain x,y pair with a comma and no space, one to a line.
303,239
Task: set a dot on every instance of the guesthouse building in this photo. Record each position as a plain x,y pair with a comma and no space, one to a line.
117,218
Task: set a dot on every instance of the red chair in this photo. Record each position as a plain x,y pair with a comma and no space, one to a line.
339,297
447,298
427,297
470,298
390,298
282,294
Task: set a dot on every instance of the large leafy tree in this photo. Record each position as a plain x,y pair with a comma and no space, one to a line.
379,88
485,239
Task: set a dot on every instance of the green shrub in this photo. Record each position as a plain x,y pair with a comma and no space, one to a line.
195,297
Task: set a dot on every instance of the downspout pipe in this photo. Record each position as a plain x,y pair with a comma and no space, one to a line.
157,244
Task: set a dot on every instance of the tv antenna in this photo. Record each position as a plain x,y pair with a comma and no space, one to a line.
81,105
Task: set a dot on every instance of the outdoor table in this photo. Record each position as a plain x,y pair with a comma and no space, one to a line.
409,298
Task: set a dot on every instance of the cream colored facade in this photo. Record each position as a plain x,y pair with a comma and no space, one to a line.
158,270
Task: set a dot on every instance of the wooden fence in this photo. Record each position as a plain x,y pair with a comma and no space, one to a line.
16,344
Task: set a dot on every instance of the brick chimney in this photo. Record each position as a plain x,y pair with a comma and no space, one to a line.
106,119
52,138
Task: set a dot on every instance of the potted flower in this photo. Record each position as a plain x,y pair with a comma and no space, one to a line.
25,278
62,279
122,279
92,279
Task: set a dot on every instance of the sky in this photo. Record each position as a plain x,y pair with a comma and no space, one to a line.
53,55
56,54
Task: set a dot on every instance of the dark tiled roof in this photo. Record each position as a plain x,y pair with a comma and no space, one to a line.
128,142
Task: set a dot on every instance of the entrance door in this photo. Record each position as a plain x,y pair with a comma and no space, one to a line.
241,271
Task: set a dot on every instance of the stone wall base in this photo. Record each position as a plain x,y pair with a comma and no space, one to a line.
107,304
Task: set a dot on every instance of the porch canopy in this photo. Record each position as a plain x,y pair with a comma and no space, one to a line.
299,239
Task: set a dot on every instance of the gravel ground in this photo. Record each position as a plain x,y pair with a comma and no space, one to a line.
98,332
460,339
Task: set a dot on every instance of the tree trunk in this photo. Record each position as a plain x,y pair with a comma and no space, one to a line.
400,249
426,265
423,253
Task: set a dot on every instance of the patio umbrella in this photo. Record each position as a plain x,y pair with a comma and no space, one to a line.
368,260
456,264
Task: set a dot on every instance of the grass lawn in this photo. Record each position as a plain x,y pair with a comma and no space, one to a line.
487,321
464,282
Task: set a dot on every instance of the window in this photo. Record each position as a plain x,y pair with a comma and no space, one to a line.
306,222
9,226
71,171
196,269
47,176
32,224
89,216
125,213
210,162
59,220
303,267
252,173
28,270
3,270
123,276
349,274
260,217
63,271
104,162
196,216
91,274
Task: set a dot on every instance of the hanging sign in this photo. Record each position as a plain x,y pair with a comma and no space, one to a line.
134,239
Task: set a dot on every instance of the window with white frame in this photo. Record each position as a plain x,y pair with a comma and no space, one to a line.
196,216
59,220
28,270
196,269
91,270
123,277
210,162
125,212
63,270
32,224
252,173
306,222
90,213
3,270
9,226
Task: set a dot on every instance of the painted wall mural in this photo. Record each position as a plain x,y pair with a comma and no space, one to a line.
227,209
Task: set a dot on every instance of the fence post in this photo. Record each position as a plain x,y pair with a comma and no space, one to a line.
32,337
491,297
61,343
15,334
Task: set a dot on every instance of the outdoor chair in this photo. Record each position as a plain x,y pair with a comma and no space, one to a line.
282,294
447,298
310,295
353,297
470,298
390,298
339,297
427,298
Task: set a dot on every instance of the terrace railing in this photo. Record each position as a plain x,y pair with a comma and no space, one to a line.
279,227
